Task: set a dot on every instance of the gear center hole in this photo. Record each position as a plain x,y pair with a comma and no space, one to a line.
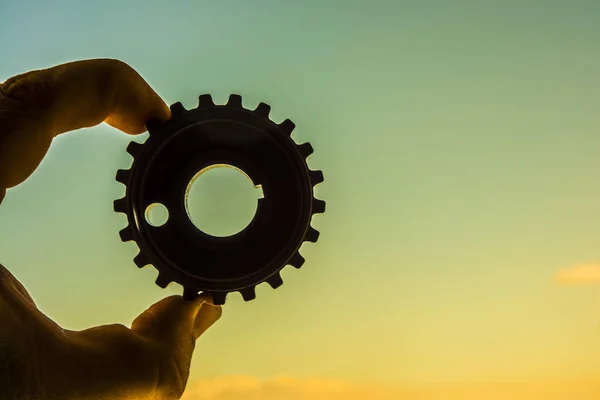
221,200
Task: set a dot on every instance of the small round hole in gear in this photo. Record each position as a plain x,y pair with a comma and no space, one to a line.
156,214
221,200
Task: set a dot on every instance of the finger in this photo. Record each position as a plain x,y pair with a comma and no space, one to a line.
8,282
208,315
38,105
25,137
173,320
85,93
91,91
101,362
19,313
175,324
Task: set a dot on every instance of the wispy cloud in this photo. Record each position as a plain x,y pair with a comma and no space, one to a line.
579,275
288,388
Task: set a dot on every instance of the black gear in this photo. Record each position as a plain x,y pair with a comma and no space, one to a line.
220,134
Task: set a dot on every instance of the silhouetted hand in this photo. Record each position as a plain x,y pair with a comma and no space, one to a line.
38,359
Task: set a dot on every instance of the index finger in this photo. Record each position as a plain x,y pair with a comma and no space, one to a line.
85,93
42,104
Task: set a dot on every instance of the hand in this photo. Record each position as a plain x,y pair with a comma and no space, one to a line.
39,359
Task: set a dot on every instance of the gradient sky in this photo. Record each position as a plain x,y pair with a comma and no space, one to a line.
460,145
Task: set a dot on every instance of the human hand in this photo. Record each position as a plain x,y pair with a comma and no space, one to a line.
38,358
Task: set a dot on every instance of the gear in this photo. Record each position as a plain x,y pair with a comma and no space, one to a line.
171,157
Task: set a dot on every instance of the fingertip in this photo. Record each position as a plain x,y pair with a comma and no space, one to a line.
206,297
206,317
163,112
207,313
159,111
131,125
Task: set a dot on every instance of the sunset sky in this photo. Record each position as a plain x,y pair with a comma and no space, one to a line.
460,141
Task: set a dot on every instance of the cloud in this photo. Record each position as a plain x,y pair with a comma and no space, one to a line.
289,388
579,275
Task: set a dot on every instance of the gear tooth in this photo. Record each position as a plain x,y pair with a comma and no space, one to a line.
163,280
305,149
235,100
297,260
177,109
219,298
190,293
141,260
126,234
287,126
134,148
312,235
316,177
205,101
263,109
248,293
318,206
123,176
275,280
120,205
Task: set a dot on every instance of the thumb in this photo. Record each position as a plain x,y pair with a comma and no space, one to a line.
173,325
174,318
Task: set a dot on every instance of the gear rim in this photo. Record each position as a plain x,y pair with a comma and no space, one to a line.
172,131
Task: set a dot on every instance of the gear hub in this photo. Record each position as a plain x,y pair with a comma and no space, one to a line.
192,141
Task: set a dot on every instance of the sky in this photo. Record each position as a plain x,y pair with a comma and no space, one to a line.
459,255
